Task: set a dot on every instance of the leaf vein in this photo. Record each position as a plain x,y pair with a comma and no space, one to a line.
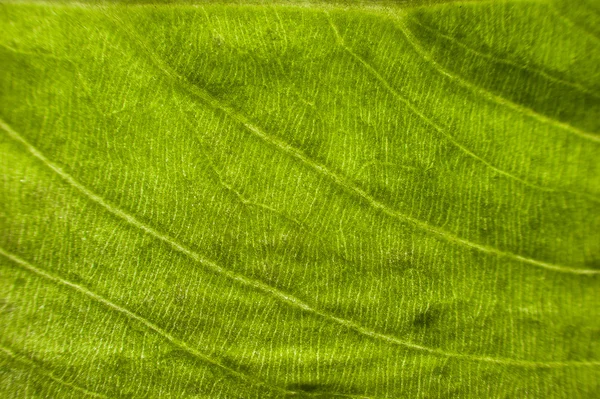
439,128
257,284
30,363
134,316
150,325
340,180
486,94
567,21
506,61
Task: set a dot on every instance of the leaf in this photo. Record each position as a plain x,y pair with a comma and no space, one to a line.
300,199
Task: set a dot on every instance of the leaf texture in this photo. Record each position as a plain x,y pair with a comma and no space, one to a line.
300,199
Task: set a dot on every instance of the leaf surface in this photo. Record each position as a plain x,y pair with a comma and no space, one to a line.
303,199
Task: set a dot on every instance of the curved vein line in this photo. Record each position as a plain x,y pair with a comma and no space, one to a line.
413,41
567,21
134,316
506,61
25,361
257,284
340,180
241,198
439,128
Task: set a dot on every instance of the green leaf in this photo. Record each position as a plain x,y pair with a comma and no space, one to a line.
300,199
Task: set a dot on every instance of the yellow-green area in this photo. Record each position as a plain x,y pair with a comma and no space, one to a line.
300,199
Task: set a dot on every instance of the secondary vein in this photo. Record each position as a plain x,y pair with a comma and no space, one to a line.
338,179
257,284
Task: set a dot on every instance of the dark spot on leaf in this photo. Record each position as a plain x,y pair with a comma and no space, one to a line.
39,387
304,387
179,355
310,388
593,263
6,306
230,363
502,283
20,282
74,277
310,146
441,371
535,222
122,364
426,318
192,390
532,323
